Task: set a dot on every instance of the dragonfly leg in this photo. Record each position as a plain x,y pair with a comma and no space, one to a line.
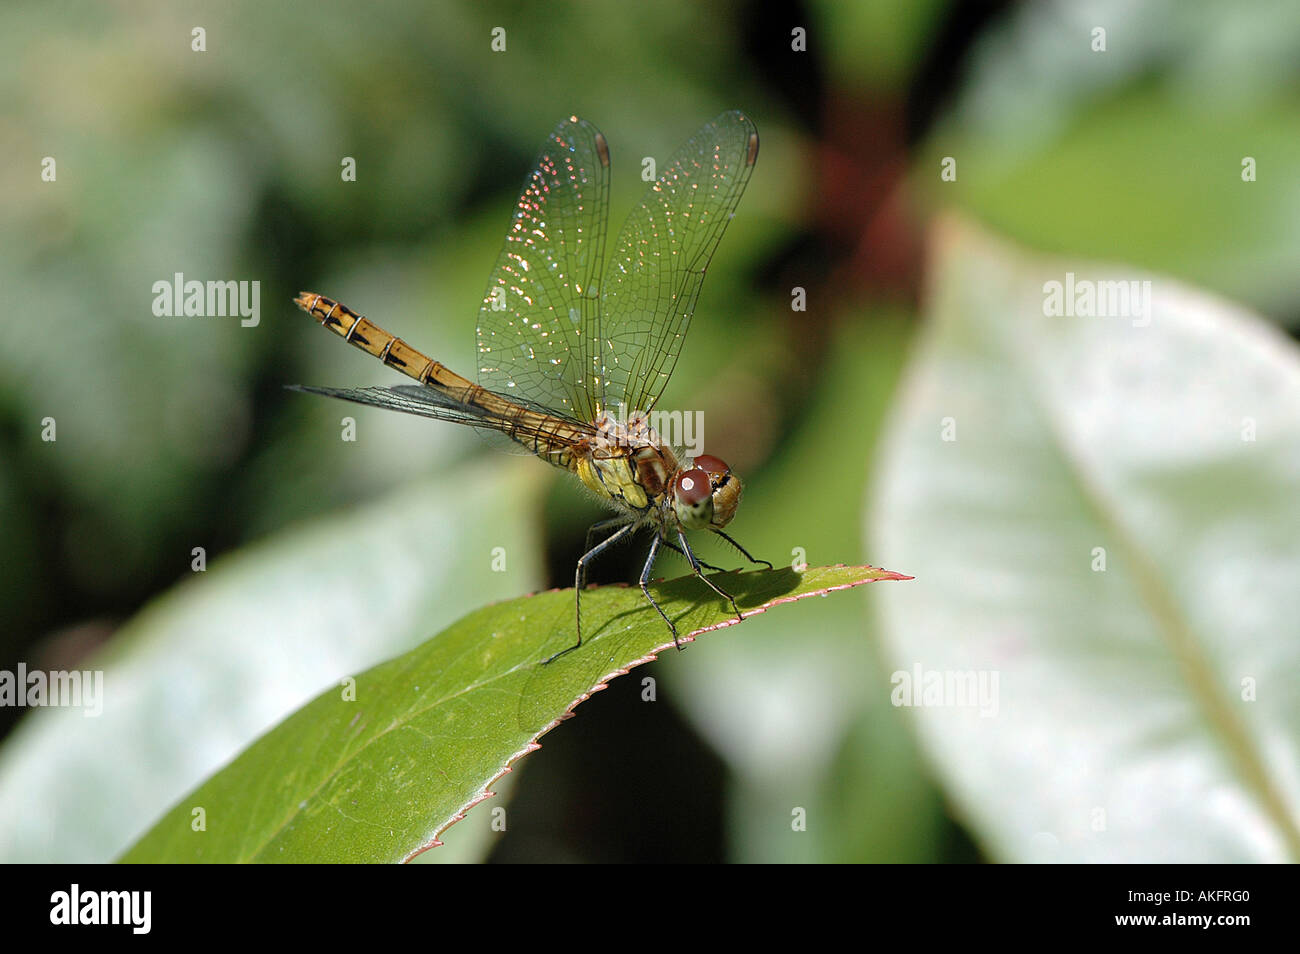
580,578
708,566
600,525
645,585
695,565
743,551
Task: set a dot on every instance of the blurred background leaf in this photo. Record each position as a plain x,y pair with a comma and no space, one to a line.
1135,153
1110,532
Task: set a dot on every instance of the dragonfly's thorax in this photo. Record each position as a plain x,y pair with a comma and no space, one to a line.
627,464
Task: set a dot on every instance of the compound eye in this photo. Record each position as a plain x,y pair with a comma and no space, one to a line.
714,465
693,487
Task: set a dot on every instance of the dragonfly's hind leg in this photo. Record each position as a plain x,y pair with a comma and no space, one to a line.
697,567
743,551
580,575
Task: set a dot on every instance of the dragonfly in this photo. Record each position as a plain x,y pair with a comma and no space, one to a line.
574,350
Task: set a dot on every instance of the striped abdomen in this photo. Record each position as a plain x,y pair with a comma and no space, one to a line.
552,438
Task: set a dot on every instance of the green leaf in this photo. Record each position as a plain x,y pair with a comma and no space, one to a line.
381,777
1101,514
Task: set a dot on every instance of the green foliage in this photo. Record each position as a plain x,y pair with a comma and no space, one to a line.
1137,153
377,770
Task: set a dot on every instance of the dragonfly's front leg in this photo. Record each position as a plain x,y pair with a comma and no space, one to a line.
743,551
580,576
696,566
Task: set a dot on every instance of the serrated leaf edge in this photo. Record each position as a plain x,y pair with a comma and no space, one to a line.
603,682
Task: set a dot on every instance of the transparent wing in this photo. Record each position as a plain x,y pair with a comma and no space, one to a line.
409,399
658,264
538,325
426,402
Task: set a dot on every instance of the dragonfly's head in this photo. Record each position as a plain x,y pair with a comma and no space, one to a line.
706,494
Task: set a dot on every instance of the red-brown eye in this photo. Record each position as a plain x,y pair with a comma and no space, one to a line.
714,465
693,487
